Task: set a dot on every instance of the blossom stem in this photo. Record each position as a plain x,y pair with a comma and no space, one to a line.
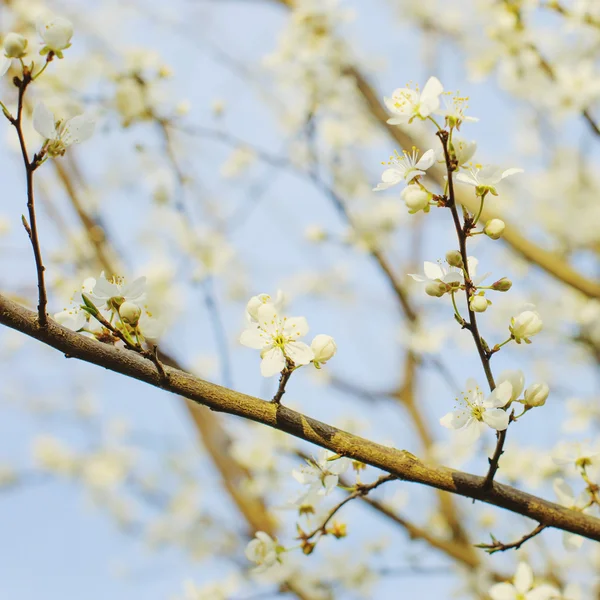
498,346
476,219
456,311
285,377
435,122
48,59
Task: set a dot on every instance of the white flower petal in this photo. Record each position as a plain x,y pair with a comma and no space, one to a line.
273,362
564,492
299,352
470,433
501,396
43,121
456,419
503,591
466,178
4,64
571,541
432,88
78,129
426,160
496,418
296,327
516,379
392,176
510,172
432,270
253,337
523,578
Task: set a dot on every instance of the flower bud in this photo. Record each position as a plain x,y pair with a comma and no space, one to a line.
479,303
494,228
15,45
415,198
502,285
536,394
56,33
524,325
324,348
130,313
436,289
454,259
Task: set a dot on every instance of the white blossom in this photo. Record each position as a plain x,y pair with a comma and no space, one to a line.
479,303
522,587
59,135
485,178
475,412
257,301
566,497
536,394
579,454
494,228
416,198
324,349
454,110
15,46
407,104
130,313
115,292
450,277
405,168
74,317
525,325
277,339
56,34
262,550
322,474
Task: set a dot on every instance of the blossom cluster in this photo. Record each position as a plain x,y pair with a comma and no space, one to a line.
279,337
113,301
474,411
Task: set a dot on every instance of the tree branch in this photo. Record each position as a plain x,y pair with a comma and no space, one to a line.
400,463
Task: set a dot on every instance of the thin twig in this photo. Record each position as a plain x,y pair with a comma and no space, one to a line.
285,377
498,546
30,167
360,490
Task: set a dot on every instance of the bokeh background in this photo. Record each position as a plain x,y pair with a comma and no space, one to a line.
222,127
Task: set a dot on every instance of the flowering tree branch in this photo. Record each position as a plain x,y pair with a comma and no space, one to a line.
550,262
471,325
399,463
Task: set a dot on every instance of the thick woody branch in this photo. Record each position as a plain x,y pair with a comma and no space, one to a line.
400,463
